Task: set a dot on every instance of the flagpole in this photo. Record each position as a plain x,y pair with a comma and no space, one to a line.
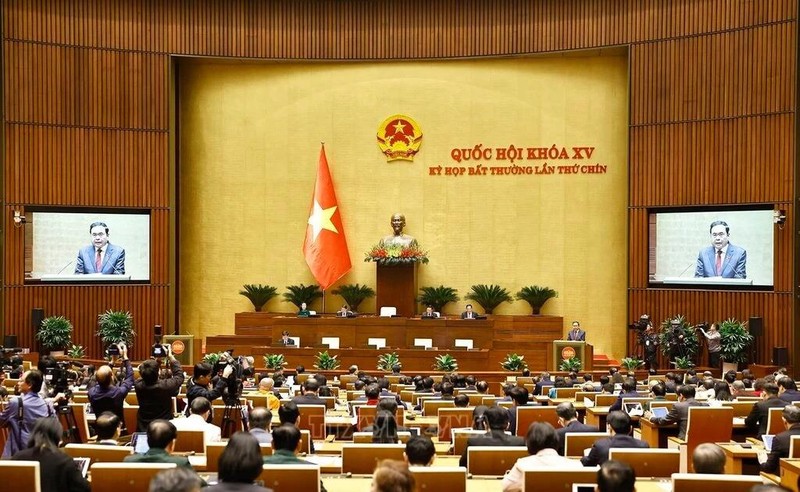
323,301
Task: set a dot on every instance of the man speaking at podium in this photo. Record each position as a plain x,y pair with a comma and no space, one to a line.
100,256
576,334
721,259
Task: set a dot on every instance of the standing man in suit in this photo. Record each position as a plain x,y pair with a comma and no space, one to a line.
780,444
469,313
759,415
576,335
721,259
497,420
680,411
100,256
568,420
620,425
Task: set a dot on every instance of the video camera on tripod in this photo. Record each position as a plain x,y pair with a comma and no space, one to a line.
234,379
59,378
158,350
641,324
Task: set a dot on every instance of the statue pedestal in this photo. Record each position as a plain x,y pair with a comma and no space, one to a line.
397,286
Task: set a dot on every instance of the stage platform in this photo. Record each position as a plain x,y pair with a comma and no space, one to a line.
492,338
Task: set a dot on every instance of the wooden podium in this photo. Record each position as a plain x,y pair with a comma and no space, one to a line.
564,349
397,286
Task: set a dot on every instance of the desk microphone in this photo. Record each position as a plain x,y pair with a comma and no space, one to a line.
65,267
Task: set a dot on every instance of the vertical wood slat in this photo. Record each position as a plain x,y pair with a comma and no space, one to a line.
712,83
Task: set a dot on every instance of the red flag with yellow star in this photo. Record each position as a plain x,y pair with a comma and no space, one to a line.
325,247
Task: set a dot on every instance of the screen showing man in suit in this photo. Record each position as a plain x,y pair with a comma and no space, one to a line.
101,256
721,259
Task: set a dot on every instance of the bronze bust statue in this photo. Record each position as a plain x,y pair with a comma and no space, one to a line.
398,238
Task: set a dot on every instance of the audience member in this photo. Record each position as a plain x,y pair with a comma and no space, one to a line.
519,395
680,411
161,436
497,421
106,396
709,458
309,396
620,425
780,443
479,417
393,476
107,425
568,420
33,408
788,390
384,431
420,451
154,394
461,401
543,382
260,420
628,391
482,387
240,464
615,476
175,480
267,387
286,441
541,441
57,471
759,415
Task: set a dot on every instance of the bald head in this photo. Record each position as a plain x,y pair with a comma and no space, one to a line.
266,384
104,376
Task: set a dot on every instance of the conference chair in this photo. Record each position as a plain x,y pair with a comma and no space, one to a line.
705,424
130,477
131,398
493,460
450,418
291,478
361,459
449,478
528,415
566,392
348,378
523,380
431,407
312,419
604,400
490,401
80,397
794,447
82,424
557,479
10,383
129,415
21,475
576,442
366,437
700,482
461,436
190,440
366,416
775,421
476,399
740,408
300,379
656,463
580,395
98,453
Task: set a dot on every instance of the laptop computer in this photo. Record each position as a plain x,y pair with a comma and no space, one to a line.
83,465
633,409
767,440
139,442
659,412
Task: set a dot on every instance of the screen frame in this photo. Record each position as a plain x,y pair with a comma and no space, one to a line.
84,210
651,248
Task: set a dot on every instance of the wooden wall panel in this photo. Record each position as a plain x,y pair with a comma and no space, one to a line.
84,87
713,83
57,165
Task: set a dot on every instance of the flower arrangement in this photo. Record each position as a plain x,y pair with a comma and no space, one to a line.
396,254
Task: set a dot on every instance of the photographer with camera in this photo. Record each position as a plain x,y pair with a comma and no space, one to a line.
106,396
200,384
676,340
154,394
650,341
714,339
22,412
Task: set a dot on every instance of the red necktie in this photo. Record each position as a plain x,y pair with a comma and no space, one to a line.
98,261
719,263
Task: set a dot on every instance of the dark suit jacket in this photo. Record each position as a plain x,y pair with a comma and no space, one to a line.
492,438
236,487
679,414
780,449
760,414
57,471
308,399
789,396
474,315
156,455
113,261
580,336
155,402
617,405
537,390
573,426
599,452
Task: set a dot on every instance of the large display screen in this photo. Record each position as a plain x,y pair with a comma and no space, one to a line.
87,245
725,248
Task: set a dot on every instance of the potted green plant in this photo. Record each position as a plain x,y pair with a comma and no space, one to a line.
387,361
76,352
684,362
631,363
115,327
55,334
513,362
735,340
298,294
212,358
445,363
488,296
536,296
354,294
274,361
437,297
258,294
573,364
326,362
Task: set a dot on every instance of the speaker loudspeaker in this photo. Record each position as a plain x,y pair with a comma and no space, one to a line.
780,356
37,316
756,326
